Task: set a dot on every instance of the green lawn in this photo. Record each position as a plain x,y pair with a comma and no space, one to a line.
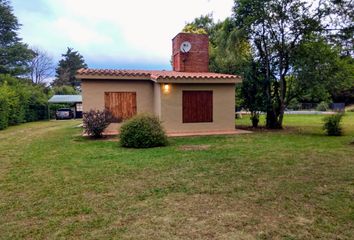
289,184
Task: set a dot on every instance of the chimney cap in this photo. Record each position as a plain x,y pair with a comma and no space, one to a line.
186,34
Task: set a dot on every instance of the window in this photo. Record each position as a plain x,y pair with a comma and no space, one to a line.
122,105
197,106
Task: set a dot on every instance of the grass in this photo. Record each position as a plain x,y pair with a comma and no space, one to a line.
291,184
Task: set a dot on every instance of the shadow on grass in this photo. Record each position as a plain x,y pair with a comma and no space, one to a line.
304,131
80,138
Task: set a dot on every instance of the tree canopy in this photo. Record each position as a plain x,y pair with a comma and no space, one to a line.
66,70
14,55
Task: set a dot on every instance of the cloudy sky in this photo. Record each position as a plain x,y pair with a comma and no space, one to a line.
125,34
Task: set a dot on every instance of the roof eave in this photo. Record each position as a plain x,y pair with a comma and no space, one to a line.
199,80
110,77
236,79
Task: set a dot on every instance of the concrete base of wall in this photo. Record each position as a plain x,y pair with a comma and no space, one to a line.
196,133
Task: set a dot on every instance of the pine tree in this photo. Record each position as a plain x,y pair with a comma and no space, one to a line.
14,55
67,67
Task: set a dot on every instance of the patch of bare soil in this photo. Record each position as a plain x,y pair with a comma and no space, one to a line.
194,147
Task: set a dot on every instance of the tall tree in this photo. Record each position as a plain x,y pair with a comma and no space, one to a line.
67,67
275,29
41,66
14,55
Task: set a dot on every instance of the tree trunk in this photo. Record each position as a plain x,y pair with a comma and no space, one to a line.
274,119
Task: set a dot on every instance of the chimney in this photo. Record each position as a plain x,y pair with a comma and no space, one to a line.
193,56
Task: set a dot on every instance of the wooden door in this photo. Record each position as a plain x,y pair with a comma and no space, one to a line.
122,105
197,106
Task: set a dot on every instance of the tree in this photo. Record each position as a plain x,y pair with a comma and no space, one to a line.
230,51
298,45
41,66
67,67
275,30
320,71
201,25
14,55
64,90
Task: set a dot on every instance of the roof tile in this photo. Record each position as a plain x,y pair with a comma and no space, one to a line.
154,74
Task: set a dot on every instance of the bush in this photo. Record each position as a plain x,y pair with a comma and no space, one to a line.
95,122
142,131
25,101
332,125
322,106
4,113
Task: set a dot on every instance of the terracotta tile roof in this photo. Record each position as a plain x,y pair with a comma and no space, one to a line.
113,72
154,75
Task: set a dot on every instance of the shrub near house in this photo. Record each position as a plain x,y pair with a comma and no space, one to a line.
142,131
95,122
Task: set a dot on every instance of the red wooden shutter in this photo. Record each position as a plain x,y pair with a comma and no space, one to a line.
197,106
121,104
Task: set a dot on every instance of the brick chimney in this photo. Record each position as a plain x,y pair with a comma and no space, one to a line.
196,59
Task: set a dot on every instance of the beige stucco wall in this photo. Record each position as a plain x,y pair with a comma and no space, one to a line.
151,98
93,95
157,99
223,108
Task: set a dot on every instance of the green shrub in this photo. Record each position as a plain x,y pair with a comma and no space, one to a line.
322,106
4,113
95,122
332,125
142,131
26,101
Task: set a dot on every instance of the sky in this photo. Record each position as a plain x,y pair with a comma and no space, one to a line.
116,34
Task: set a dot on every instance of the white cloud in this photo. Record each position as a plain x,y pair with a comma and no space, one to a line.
130,30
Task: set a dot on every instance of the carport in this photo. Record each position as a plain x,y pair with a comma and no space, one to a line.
75,102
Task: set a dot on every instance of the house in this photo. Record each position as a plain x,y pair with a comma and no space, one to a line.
187,99
74,101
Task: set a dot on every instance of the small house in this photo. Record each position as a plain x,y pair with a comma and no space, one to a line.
187,99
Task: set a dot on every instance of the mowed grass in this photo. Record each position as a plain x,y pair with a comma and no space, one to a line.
291,184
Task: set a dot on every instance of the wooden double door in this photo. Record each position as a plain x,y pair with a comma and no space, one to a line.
197,106
122,105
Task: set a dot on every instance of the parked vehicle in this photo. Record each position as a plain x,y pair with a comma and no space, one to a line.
64,113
